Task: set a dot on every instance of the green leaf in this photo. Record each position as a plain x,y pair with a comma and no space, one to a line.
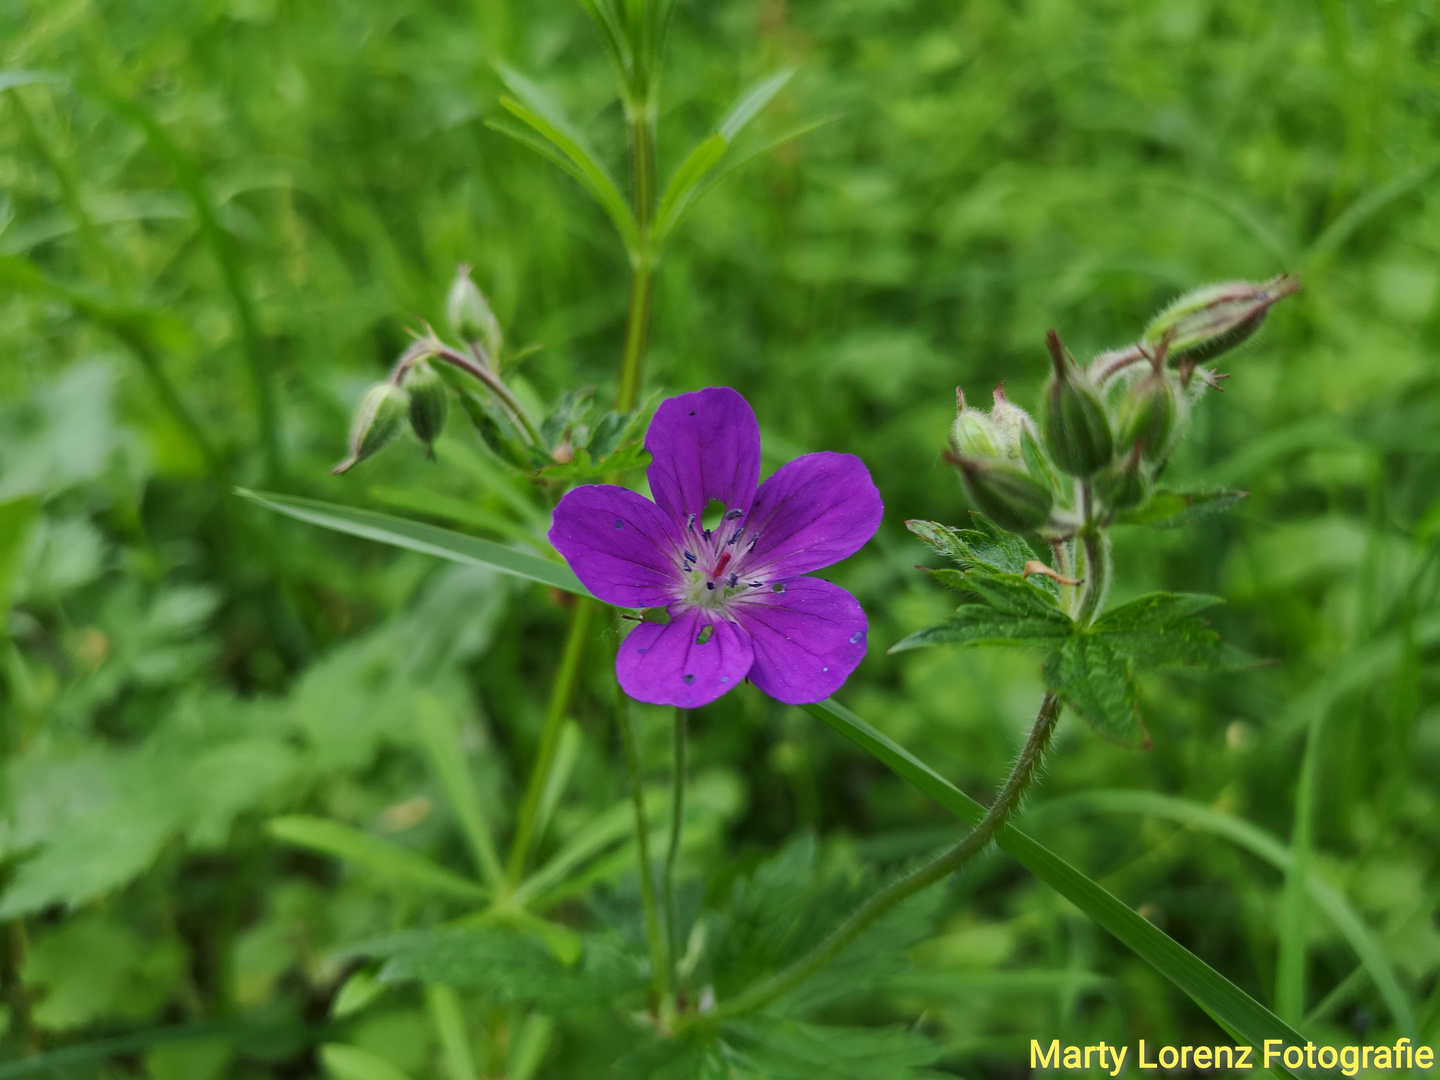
441,735
986,547
1018,613
424,538
1168,509
535,109
582,470
512,968
448,1019
1233,1009
1162,630
418,500
351,1063
390,863
16,517
781,1049
1256,840
1089,675
684,187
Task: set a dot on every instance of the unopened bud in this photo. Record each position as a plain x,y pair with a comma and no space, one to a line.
1005,493
429,401
1206,322
470,316
1075,424
1012,424
1124,484
973,435
377,421
1149,416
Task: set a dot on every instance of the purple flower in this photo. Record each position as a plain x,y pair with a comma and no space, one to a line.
738,600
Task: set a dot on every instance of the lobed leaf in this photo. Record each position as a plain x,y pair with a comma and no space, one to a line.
1087,672
985,547
1163,630
1017,613
511,967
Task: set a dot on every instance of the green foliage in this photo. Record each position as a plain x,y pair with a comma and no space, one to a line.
235,238
510,967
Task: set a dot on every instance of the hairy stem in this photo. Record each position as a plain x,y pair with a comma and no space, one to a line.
653,929
1096,546
672,855
484,375
561,692
999,814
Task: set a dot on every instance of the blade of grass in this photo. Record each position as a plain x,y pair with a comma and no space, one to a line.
441,736
1233,1009
390,863
449,1022
423,538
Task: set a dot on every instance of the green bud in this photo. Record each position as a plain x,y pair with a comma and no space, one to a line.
429,401
1208,321
1124,484
470,316
973,435
1149,416
1075,424
1012,424
378,420
1006,493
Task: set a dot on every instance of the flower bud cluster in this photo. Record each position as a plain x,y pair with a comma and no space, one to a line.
1109,427
416,392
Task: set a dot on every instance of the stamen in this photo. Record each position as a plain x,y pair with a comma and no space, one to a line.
731,515
733,579
753,541
690,558
690,523
737,535
710,585
756,584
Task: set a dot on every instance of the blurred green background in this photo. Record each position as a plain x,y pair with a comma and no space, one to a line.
178,667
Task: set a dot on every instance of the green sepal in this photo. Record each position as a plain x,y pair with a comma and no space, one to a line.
1167,509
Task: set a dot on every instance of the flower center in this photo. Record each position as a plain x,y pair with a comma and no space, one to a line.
712,563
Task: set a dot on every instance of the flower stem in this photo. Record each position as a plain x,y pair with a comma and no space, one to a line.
672,855
642,842
491,381
581,616
999,814
1096,546
640,116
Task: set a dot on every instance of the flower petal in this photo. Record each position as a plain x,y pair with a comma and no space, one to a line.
704,445
620,544
668,665
815,511
807,639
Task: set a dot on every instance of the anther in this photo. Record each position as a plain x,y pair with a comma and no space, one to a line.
737,535
731,515
733,579
690,558
690,523
710,585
